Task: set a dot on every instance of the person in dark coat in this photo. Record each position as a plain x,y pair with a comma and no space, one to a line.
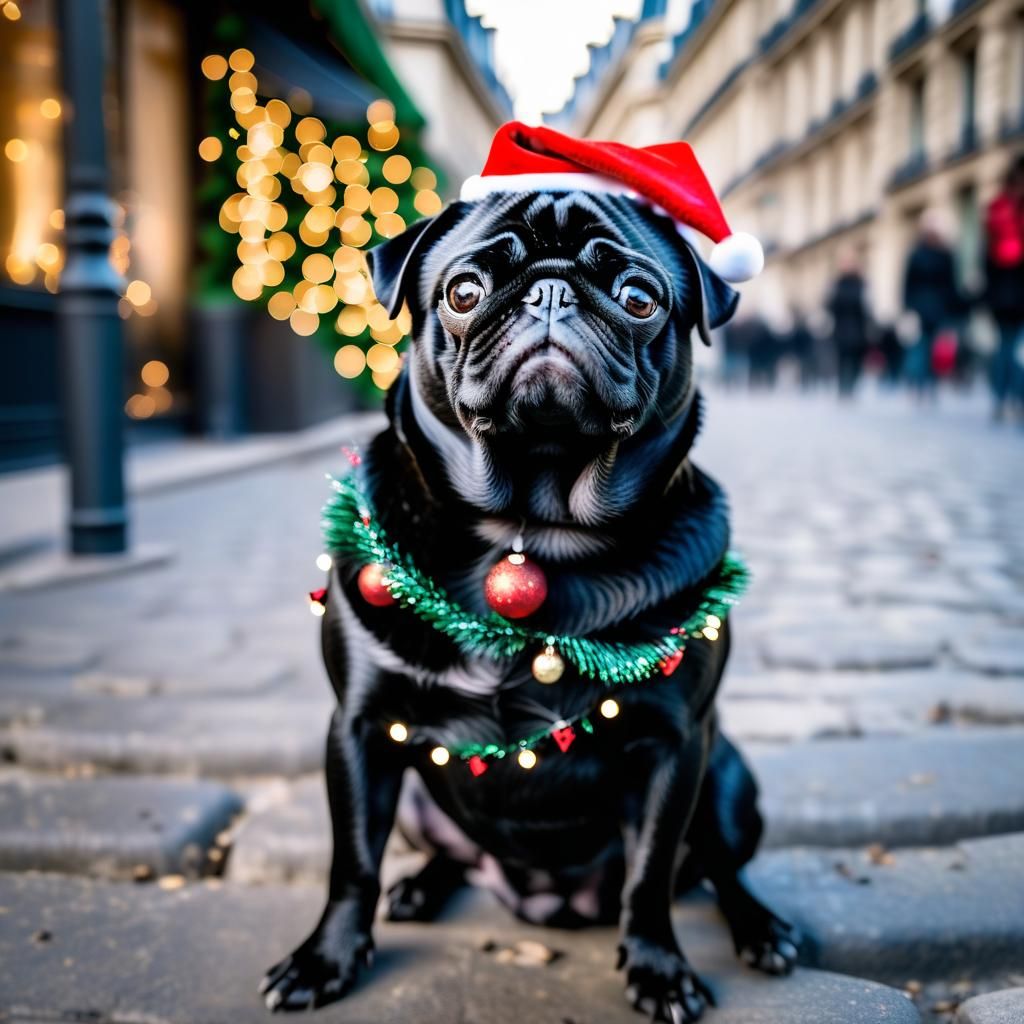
851,323
930,291
892,354
801,347
764,350
1004,286
737,336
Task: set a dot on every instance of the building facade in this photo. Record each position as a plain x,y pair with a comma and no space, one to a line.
829,126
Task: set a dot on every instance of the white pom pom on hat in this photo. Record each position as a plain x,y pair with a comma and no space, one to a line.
737,257
528,158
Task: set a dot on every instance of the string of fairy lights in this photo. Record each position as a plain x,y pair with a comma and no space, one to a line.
346,207
37,248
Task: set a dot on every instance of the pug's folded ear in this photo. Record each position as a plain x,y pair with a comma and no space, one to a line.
394,264
718,300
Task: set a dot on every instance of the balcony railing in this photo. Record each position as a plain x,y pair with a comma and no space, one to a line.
967,144
785,23
866,86
959,6
911,37
914,167
717,93
1011,126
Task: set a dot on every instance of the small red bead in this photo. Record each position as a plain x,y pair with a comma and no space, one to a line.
670,663
516,587
371,585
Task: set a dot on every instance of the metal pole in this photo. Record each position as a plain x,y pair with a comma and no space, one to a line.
89,328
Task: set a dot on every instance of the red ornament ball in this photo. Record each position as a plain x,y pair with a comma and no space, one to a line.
516,587
371,585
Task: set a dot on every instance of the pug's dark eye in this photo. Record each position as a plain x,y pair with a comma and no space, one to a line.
636,302
464,293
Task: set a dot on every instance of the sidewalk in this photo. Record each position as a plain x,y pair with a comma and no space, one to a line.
33,501
162,733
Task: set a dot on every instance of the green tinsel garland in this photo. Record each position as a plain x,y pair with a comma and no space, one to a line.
351,530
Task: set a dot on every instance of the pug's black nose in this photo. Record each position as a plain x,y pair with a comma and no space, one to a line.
550,299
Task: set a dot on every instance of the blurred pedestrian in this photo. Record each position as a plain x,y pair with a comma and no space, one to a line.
891,351
851,322
801,346
930,292
764,355
736,338
1004,287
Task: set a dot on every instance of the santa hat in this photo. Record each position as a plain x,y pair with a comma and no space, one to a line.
526,158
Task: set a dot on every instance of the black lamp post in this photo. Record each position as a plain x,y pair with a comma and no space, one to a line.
89,328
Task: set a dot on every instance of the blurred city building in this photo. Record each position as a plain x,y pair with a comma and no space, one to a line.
198,359
828,126
446,57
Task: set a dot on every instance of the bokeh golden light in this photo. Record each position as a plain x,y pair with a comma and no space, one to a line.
138,293
349,361
241,60
214,67
283,152
210,149
155,373
16,150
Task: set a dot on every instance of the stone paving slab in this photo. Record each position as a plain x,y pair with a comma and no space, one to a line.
274,736
896,701
1006,1007
917,790
999,650
111,827
138,954
286,837
856,639
773,721
921,914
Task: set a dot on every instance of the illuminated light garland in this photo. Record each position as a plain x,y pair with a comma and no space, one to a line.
282,154
351,531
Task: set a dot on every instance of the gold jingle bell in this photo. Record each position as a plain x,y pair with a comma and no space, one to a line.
548,666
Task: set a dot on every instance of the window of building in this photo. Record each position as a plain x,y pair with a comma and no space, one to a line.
968,99
30,151
916,126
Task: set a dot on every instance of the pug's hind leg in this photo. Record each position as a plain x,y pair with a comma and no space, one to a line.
722,838
762,938
422,897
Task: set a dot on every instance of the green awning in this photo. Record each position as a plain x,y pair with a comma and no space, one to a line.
354,36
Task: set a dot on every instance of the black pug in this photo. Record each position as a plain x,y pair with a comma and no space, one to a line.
548,393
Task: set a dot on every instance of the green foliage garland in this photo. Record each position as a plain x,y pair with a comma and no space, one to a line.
351,530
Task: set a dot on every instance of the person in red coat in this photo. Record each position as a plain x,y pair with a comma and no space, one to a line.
1004,286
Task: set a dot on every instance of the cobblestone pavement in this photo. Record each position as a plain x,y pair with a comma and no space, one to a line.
162,827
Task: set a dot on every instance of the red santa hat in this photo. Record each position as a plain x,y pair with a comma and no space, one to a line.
527,158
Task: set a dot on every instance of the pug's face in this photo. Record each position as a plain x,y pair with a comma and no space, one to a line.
549,323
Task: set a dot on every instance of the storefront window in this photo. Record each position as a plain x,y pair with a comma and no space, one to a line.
31,220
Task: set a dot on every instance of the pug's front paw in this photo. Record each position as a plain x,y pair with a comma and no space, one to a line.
322,970
660,982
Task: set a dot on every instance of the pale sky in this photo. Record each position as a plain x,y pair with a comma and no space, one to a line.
540,45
